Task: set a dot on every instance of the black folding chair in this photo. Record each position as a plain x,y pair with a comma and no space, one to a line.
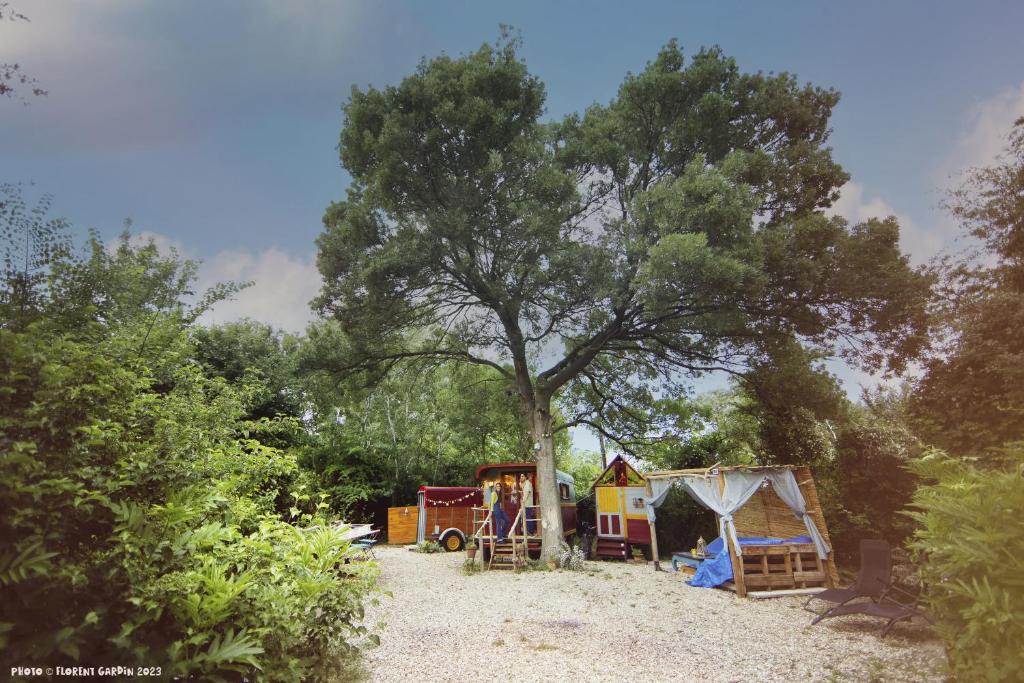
894,605
875,574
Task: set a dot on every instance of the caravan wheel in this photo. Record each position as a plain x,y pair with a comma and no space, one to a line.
453,542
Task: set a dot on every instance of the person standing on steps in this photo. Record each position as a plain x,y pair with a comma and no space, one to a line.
529,511
512,509
498,517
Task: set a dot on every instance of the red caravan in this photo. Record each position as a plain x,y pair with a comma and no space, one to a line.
446,512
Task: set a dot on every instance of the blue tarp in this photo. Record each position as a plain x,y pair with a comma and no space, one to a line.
717,570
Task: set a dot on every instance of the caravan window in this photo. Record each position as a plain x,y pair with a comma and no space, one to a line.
563,491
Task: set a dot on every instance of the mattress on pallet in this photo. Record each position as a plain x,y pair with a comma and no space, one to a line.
715,571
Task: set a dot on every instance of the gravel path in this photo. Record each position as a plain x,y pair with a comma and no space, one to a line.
616,622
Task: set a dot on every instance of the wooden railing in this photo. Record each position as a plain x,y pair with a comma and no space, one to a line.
483,527
518,532
518,521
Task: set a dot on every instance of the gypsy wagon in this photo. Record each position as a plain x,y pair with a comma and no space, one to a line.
446,514
523,536
620,513
772,534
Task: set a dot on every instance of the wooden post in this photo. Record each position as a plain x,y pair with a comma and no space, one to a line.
654,534
737,566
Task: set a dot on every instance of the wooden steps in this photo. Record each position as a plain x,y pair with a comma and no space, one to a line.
611,549
503,555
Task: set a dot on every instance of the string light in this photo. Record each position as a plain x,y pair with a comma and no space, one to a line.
449,503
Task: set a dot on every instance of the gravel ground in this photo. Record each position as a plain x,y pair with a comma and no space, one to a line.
616,622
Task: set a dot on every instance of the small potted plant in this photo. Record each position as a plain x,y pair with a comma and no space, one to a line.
471,548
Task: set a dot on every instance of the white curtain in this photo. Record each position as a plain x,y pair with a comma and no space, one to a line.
739,487
659,489
789,491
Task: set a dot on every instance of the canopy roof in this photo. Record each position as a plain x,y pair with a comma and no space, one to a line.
528,467
706,471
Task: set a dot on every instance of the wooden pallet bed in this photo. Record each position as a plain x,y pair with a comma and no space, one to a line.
783,567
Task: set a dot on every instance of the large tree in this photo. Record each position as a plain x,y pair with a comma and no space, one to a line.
666,234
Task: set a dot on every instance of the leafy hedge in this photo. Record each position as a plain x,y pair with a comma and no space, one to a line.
971,541
143,523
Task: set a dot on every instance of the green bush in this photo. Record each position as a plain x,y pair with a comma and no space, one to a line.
143,521
140,524
866,485
428,547
971,542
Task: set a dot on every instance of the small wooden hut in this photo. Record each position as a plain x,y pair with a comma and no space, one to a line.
774,567
621,517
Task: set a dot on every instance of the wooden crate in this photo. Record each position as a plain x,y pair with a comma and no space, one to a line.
402,525
686,572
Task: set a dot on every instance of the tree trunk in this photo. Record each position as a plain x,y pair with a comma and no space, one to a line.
547,486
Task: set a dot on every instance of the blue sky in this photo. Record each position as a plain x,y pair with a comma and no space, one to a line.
213,125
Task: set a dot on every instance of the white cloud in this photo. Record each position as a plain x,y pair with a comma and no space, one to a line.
283,285
856,207
985,133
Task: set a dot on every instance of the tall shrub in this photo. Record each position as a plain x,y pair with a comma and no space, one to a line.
971,541
140,518
866,485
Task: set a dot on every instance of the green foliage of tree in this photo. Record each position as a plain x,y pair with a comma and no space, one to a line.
128,285
424,423
30,242
866,484
584,467
141,518
659,236
250,354
971,537
970,403
796,404
712,428
13,80
972,394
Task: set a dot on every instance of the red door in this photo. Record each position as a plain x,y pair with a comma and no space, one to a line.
609,524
